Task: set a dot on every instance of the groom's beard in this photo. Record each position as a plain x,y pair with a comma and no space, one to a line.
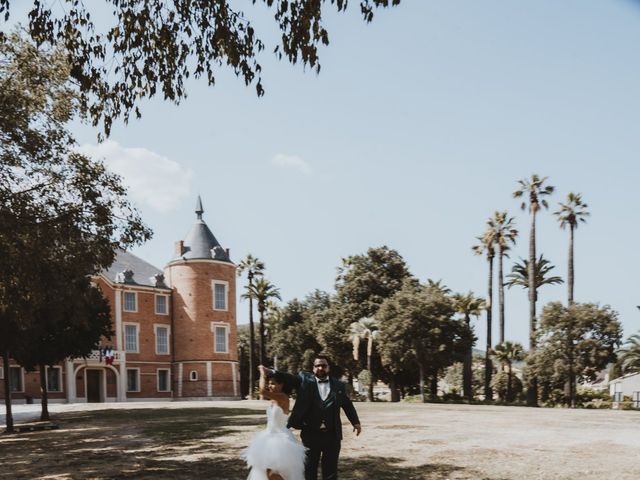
322,375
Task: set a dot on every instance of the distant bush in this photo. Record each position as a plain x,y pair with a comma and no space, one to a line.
589,398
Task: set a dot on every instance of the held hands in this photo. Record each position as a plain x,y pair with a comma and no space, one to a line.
358,429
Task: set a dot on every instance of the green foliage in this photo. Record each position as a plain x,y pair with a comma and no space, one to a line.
296,342
533,192
519,275
506,392
140,49
365,281
574,343
63,217
629,355
417,328
573,212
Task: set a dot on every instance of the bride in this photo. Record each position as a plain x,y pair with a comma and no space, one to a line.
274,453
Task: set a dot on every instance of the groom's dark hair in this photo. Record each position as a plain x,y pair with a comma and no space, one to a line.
323,356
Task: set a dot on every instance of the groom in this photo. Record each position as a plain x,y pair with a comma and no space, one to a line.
317,414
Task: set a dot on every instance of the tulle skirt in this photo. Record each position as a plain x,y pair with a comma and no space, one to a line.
277,450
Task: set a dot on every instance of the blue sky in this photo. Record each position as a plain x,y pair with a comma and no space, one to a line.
417,129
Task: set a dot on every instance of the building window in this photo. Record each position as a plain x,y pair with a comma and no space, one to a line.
162,305
220,340
162,340
131,337
54,379
15,379
133,383
193,376
163,380
130,302
219,295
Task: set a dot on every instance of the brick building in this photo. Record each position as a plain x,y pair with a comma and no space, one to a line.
175,331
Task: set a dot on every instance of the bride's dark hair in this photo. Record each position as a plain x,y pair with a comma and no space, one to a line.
281,379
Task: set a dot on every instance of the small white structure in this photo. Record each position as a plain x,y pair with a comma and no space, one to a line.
626,386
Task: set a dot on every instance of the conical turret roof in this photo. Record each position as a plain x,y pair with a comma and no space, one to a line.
200,243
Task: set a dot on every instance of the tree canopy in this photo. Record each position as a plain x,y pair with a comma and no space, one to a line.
63,216
574,343
122,52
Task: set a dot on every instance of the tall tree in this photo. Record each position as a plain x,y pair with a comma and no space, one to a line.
262,290
66,322
506,353
486,247
297,340
417,327
467,305
140,49
578,341
503,231
56,207
253,267
533,192
363,283
571,214
365,329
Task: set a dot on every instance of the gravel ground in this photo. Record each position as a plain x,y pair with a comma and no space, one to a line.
422,441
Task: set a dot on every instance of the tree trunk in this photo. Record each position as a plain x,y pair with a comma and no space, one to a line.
570,269
252,342
395,395
501,294
7,392
488,393
370,387
532,387
572,375
421,380
44,412
434,384
509,383
467,372
263,348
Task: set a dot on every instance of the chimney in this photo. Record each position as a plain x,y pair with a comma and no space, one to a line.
179,247
227,250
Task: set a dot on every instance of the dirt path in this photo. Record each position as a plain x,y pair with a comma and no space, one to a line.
399,442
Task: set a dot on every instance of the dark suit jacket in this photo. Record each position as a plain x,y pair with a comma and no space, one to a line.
303,416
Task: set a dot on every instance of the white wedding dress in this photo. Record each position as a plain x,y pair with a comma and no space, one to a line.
275,448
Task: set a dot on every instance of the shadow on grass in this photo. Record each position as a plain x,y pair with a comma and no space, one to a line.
185,443
181,443
385,468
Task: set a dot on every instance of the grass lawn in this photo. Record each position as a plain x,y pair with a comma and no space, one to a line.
399,442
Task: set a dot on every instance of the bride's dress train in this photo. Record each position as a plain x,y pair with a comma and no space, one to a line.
275,448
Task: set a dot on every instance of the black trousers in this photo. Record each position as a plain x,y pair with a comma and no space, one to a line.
323,448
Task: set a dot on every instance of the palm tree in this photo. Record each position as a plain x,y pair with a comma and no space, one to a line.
571,213
519,275
506,353
468,304
253,266
487,247
364,329
438,285
504,233
629,355
262,290
272,325
533,190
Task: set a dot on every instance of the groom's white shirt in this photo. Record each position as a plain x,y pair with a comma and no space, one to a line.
323,388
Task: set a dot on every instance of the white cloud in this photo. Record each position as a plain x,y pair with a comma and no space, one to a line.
291,161
153,180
